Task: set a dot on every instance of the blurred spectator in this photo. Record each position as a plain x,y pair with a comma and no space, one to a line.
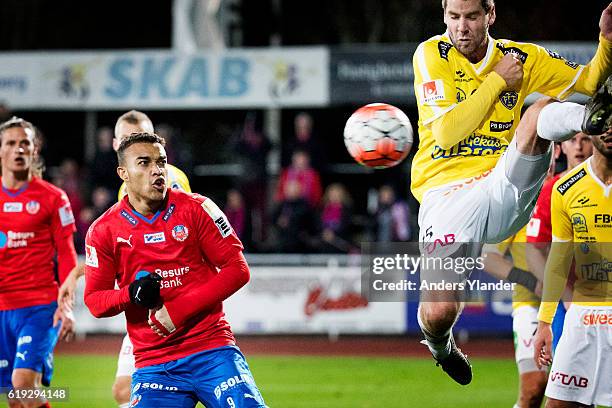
84,219
5,112
68,179
236,213
178,153
101,200
305,140
103,170
392,217
307,178
294,220
336,220
252,148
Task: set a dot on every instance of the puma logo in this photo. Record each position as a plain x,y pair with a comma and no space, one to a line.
21,355
125,241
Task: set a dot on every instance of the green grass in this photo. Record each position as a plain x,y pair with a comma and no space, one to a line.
323,382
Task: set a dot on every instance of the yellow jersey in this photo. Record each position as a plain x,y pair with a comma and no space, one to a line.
515,245
470,140
581,218
176,179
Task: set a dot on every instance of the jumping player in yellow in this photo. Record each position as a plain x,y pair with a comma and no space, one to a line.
478,170
581,217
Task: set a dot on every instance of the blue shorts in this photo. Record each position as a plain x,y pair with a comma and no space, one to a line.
219,378
27,339
557,325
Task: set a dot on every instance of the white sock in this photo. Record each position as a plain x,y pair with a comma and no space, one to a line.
126,405
559,121
516,406
440,346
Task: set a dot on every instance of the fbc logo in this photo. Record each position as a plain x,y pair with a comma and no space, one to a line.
603,218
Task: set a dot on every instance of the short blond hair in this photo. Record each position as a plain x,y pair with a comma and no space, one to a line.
134,117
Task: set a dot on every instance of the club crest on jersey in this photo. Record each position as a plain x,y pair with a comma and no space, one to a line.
579,223
13,207
32,207
508,99
180,232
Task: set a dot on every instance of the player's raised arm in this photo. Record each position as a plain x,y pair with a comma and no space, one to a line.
600,67
101,297
63,228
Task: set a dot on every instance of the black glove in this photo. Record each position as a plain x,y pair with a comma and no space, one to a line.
145,291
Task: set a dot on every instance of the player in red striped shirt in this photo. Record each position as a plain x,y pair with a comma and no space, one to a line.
36,224
175,258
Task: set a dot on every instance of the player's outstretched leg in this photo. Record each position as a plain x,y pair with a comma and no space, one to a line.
599,110
436,316
560,121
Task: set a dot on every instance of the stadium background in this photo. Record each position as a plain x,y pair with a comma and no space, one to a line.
310,337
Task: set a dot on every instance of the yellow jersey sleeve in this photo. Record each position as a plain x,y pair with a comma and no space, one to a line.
559,258
434,84
557,77
560,220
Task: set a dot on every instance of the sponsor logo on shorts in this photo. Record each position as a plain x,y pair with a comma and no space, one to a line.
448,240
432,91
24,340
154,238
573,381
180,232
157,386
597,319
579,223
232,382
13,207
563,187
4,363
444,48
136,388
32,207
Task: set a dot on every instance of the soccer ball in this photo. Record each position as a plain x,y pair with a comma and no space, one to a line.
378,135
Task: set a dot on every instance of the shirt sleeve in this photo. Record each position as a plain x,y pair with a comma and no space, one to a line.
539,228
434,86
62,230
559,259
221,248
101,297
555,76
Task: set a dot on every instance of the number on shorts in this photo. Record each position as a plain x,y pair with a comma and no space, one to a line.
230,402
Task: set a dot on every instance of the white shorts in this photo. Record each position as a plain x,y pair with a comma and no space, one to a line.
582,366
126,364
484,209
524,324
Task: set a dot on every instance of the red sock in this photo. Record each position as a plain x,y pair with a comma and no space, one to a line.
45,405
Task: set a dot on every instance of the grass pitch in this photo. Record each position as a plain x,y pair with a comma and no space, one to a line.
323,382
